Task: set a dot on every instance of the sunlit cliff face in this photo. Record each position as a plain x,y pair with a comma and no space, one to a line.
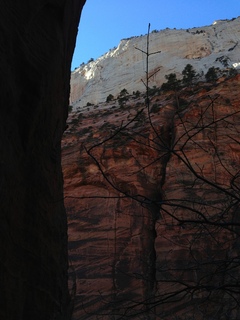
124,66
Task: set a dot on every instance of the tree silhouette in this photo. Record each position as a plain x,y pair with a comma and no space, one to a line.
189,74
172,82
211,74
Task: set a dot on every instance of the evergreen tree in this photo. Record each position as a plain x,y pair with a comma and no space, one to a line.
211,75
188,74
109,98
172,82
123,92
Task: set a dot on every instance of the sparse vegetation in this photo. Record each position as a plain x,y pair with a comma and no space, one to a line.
223,60
153,91
172,82
211,75
137,94
189,74
122,98
123,92
110,97
232,72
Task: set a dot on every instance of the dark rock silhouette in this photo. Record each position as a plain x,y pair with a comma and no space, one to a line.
36,46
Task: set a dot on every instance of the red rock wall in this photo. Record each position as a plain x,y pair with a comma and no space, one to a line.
36,46
133,251
197,239
111,236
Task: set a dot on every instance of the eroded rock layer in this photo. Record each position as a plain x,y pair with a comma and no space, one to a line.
36,46
151,200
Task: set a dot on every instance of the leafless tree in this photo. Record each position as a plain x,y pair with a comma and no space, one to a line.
192,268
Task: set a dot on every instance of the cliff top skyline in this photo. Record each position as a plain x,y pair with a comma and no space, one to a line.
104,24
123,67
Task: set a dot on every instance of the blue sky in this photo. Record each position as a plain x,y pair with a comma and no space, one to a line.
105,22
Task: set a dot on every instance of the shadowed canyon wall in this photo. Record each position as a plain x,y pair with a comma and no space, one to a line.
36,46
153,206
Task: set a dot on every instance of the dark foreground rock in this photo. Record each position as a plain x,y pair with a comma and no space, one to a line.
36,45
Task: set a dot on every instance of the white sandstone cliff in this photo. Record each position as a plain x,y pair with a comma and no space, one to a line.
123,67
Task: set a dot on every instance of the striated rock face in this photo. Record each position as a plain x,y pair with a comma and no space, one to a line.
36,46
111,236
153,205
216,45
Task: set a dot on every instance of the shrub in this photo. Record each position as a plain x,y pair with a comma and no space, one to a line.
123,92
154,90
122,100
232,72
136,94
109,98
224,60
211,75
172,82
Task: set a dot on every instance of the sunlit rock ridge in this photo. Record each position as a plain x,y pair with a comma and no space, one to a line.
124,67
